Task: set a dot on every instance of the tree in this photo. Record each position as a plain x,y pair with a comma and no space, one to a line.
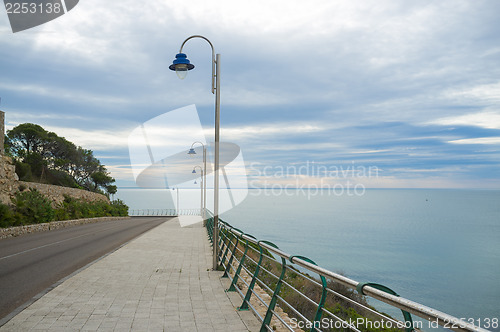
25,139
111,189
37,163
46,157
101,178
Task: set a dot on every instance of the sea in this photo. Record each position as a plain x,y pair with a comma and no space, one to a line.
438,247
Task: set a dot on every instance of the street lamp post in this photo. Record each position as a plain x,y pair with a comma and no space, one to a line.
202,208
192,152
182,65
177,198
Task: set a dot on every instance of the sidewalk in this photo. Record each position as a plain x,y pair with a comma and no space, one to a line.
161,281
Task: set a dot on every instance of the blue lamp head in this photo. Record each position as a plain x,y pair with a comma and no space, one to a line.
181,65
194,171
191,152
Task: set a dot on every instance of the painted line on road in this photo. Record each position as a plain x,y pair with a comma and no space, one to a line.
54,243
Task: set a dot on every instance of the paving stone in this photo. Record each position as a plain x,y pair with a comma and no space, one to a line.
161,281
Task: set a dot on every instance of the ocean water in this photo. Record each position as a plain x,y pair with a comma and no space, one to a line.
437,247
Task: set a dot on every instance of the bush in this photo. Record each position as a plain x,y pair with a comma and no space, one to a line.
31,207
34,207
72,208
8,217
119,208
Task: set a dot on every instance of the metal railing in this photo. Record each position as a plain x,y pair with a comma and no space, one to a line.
253,266
164,212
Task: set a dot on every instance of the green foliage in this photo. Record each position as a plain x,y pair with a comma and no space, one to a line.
7,216
6,146
111,189
60,178
72,208
38,165
34,207
119,208
31,207
23,170
45,157
25,139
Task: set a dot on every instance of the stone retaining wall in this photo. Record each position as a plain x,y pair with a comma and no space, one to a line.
20,230
2,132
56,193
8,179
10,185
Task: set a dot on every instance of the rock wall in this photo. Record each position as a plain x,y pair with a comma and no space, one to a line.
8,180
2,132
10,184
56,193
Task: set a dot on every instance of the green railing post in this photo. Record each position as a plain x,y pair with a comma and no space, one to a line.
229,235
321,303
248,295
226,272
232,288
222,223
210,228
406,314
274,299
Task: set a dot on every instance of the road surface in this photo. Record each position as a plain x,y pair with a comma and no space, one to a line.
32,263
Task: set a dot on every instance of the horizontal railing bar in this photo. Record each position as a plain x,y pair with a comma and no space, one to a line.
415,308
352,327
243,280
264,284
281,320
231,267
248,272
293,309
261,283
349,300
261,300
255,311
239,291
251,259
269,272
301,294
163,212
239,250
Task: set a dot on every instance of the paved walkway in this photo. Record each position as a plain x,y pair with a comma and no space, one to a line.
161,281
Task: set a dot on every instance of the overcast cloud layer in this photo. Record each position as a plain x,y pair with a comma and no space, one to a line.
412,88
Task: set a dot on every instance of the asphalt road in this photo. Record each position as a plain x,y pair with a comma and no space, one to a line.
33,263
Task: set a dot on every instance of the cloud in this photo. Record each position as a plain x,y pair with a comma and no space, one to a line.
397,84
271,130
485,119
64,94
96,140
485,94
478,140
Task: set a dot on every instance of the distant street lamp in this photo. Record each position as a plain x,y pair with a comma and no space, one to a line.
202,207
192,152
182,65
177,197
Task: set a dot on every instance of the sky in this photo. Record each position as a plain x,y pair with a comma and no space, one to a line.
409,88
